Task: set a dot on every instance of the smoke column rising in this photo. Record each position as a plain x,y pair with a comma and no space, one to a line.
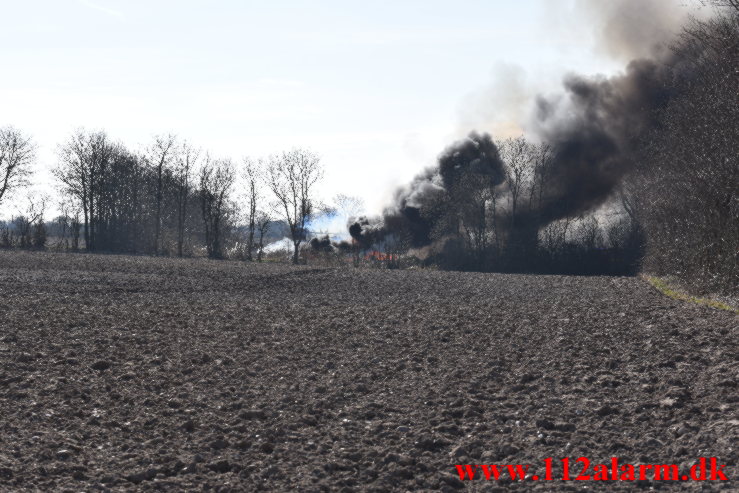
593,127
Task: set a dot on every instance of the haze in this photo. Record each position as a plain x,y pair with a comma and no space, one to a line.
377,89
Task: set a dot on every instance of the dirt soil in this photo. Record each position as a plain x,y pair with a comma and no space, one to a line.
141,374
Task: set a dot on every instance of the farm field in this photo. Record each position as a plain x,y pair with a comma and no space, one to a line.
123,373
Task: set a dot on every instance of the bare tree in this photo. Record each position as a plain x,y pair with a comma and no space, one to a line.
517,154
131,203
589,234
216,183
75,225
62,226
542,159
30,223
65,225
82,162
685,188
729,4
159,156
262,222
292,176
469,202
348,206
185,162
17,155
251,173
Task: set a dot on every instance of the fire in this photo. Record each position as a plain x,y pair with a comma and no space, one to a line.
380,256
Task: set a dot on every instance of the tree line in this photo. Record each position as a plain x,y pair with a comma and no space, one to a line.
490,208
671,205
486,209
171,198
684,191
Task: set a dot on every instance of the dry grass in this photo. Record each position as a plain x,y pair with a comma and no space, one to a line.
668,290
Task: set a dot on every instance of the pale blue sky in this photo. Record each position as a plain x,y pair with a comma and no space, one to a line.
377,88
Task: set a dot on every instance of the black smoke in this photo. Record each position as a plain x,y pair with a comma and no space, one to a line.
367,232
325,245
415,207
593,130
595,133
476,154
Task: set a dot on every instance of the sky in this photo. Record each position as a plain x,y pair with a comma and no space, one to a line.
377,89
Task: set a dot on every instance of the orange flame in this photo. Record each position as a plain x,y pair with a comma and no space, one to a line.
380,256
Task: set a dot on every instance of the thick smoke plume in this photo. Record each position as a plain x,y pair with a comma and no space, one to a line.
477,154
592,130
629,30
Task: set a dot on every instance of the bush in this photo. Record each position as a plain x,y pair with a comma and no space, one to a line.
687,186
